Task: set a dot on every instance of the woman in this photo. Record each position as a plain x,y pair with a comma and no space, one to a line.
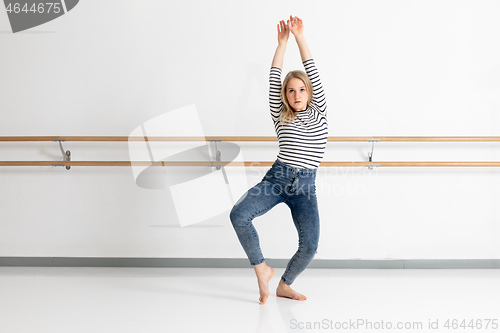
298,110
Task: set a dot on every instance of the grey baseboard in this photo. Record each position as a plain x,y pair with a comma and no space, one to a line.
244,263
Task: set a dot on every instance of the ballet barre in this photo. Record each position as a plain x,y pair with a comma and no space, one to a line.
252,138
245,164
218,163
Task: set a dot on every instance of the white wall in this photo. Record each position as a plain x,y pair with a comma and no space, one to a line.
409,68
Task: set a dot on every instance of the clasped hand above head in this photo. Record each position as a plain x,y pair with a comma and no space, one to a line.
294,25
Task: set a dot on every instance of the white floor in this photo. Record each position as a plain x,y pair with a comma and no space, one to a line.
91,300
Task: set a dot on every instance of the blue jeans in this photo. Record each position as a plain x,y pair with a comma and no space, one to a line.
297,189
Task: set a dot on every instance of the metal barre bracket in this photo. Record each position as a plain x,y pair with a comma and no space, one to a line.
66,155
370,155
217,153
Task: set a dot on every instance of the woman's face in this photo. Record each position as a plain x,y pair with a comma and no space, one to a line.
296,94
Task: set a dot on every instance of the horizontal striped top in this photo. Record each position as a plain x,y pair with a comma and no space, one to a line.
302,143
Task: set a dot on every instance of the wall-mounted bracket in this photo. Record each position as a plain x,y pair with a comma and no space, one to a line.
218,158
370,155
218,154
66,155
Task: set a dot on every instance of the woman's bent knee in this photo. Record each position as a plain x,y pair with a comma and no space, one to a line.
238,216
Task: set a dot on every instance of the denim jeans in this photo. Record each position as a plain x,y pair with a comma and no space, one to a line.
297,189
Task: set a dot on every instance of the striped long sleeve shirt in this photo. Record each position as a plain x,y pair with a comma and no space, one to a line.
301,143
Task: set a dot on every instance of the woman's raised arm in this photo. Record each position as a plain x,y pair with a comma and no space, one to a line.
283,33
296,26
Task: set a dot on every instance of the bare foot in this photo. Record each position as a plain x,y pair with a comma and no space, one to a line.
284,290
264,275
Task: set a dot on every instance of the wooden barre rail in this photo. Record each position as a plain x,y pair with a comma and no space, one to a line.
250,138
246,164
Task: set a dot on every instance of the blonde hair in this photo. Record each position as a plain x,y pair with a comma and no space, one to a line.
287,115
